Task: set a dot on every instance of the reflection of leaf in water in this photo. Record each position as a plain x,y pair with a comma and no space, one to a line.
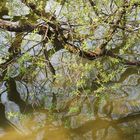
11,115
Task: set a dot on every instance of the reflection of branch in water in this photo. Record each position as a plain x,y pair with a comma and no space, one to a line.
54,100
126,73
91,125
12,113
51,68
13,93
104,123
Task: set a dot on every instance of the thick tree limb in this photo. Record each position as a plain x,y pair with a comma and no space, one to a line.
15,26
63,43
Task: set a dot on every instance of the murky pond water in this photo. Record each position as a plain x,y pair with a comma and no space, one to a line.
117,117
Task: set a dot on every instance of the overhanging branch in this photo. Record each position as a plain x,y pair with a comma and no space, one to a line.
63,43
